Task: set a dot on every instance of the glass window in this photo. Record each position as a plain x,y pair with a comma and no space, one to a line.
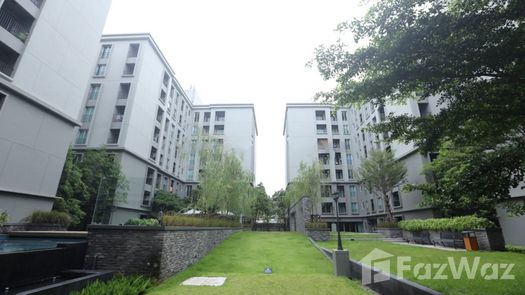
88,114
342,208
82,136
104,52
94,91
100,70
326,208
320,115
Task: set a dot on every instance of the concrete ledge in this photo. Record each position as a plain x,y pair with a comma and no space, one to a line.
156,228
49,234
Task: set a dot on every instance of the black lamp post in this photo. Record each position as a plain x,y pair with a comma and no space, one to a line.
336,196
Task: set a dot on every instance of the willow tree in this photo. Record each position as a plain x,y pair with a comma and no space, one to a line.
306,183
380,173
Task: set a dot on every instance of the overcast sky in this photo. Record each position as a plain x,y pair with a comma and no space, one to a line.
235,51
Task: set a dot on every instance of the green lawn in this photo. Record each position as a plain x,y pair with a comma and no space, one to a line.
298,268
478,285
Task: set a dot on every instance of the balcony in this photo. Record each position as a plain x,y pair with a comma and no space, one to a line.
16,20
8,60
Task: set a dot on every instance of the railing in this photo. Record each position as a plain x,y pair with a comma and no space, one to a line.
13,26
6,68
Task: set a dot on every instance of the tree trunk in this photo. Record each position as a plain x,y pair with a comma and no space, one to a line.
388,207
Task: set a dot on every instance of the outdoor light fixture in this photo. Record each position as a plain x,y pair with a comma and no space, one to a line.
336,196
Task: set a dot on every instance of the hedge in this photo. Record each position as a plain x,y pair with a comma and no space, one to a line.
446,224
199,221
143,222
50,217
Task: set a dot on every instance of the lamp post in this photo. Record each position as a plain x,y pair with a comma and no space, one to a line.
336,196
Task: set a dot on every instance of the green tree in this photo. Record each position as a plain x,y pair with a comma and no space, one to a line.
105,184
281,205
470,55
72,191
381,173
262,207
223,184
306,183
165,201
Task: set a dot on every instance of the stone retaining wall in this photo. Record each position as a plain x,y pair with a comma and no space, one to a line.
318,234
154,251
488,239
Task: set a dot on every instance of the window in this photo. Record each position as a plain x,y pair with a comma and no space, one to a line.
320,115
366,152
342,208
218,130
322,143
355,207
338,160
94,91
339,174
335,129
219,116
196,117
423,109
325,174
207,116
158,180
195,130
166,126
123,91
146,198
166,79
343,116
353,191
341,190
88,114
104,52
100,70
133,50
349,159
336,143
205,130
189,189
149,176
380,204
162,96
350,174
153,153
160,114
396,201
326,208
172,91
324,158
333,115
347,144
129,68
119,113
156,134
381,111
113,136
325,191
82,136
361,118
321,129
161,159
372,205
346,130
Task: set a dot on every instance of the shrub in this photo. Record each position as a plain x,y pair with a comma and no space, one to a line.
388,224
315,225
198,221
119,285
4,217
50,217
446,224
517,249
144,222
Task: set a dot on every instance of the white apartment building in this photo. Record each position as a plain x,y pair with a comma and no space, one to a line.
47,48
136,108
339,140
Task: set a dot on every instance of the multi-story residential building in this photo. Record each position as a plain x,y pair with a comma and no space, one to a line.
338,138
136,108
47,48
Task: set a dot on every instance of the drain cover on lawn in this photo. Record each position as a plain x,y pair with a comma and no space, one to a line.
204,281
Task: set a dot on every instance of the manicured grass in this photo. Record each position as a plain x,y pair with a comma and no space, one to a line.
298,268
477,285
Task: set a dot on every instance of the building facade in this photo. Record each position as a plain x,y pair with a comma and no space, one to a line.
137,109
47,49
339,140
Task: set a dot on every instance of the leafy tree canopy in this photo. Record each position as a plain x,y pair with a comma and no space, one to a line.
165,201
470,55
381,173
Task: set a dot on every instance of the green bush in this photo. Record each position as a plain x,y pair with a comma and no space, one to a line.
388,224
144,222
50,217
4,217
446,224
198,221
315,225
119,285
517,249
